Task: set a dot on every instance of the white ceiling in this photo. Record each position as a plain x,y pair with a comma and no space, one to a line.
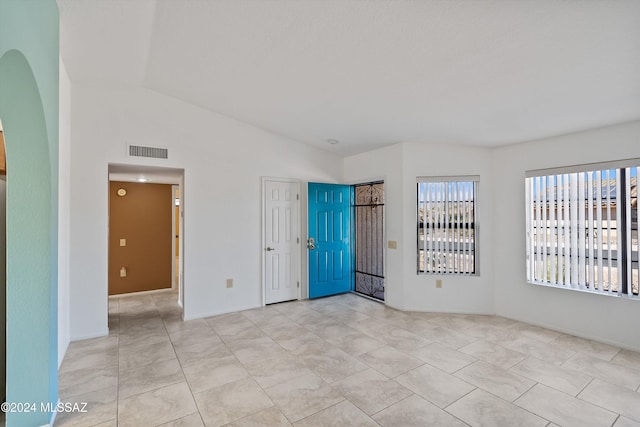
372,73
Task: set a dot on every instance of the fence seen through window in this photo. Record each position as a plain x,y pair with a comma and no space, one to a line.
582,228
447,226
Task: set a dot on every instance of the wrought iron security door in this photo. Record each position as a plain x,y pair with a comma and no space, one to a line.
369,239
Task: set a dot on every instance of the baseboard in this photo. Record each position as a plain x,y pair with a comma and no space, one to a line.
152,291
220,312
602,340
88,337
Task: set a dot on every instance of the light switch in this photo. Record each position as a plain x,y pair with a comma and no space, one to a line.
229,283
123,242
393,244
123,272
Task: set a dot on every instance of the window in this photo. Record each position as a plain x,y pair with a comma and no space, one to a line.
582,227
447,226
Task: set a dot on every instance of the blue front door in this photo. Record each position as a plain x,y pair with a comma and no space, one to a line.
329,239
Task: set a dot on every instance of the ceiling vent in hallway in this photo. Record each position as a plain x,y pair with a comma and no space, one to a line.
151,152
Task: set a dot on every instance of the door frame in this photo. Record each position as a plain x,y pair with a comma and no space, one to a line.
263,230
385,244
360,181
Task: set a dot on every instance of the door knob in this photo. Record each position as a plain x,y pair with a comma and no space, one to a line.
311,243
268,249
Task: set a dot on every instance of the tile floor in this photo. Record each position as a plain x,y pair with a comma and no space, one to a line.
341,361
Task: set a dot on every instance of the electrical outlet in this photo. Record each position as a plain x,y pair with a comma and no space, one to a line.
229,283
393,244
438,283
123,242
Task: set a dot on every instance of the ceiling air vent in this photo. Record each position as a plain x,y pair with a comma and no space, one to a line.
151,152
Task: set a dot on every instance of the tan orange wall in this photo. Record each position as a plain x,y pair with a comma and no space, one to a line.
143,217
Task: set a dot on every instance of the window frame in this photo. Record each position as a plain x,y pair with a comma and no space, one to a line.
474,180
564,256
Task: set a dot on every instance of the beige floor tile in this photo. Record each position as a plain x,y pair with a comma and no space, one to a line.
356,343
149,377
414,411
371,391
494,354
548,351
435,385
303,396
153,353
193,420
101,406
339,415
626,422
214,373
562,379
202,352
188,337
453,339
480,408
492,333
454,322
628,359
156,407
271,417
442,357
495,380
390,361
588,347
273,371
333,364
256,349
141,340
274,355
610,372
563,409
105,354
86,380
288,331
402,340
305,344
184,325
614,398
535,332
231,402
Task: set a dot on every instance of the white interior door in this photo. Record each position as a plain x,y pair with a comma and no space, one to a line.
281,240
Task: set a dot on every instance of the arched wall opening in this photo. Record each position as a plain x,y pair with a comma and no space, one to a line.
31,282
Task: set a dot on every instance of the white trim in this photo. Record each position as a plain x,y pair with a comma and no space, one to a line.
151,291
586,167
220,312
90,336
454,178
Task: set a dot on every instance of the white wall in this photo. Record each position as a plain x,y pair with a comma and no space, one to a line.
223,161
400,165
63,211
608,319
460,294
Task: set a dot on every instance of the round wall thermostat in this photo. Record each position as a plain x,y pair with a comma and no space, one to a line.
122,192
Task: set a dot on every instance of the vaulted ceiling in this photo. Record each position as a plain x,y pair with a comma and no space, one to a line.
371,73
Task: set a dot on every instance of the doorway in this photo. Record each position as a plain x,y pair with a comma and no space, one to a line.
368,244
346,239
146,247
